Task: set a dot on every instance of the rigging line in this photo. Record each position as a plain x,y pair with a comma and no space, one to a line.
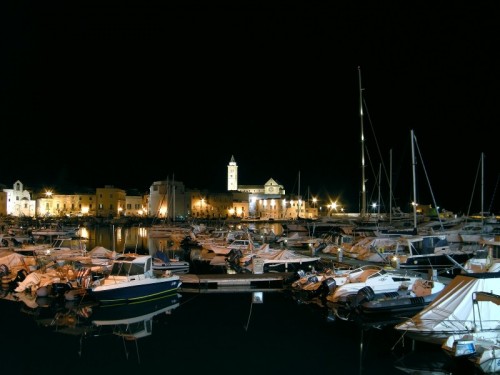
474,188
377,180
427,179
490,208
386,174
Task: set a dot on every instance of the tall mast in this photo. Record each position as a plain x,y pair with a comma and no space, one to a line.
482,189
363,180
413,162
299,198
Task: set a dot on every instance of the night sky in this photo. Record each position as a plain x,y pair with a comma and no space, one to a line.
125,93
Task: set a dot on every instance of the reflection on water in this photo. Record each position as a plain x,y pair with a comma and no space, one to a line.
136,239
87,318
225,333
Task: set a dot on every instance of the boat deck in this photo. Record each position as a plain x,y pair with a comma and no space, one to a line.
231,283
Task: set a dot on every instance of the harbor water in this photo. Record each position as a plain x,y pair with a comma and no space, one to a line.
215,333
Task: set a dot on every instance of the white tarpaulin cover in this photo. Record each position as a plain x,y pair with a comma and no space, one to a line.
453,310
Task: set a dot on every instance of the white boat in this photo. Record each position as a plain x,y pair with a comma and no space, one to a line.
132,279
310,286
456,311
161,262
380,281
481,348
227,248
367,306
61,248
265,259
483,260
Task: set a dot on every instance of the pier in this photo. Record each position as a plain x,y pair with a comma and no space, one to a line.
232,283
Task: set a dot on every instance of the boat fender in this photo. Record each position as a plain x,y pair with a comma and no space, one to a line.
365,294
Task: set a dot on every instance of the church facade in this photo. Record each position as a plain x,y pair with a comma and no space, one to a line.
269,201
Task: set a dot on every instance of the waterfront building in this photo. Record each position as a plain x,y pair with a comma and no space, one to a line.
110,201
17,201
168,200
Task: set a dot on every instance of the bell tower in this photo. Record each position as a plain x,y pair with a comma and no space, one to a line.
232,175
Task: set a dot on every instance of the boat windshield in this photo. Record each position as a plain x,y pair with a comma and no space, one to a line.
127,269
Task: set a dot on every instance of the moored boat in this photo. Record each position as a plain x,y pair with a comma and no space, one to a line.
132,279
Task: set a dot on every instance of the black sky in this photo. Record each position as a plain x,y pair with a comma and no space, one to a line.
127,93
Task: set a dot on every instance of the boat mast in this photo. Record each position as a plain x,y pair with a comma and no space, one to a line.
299,198
390,185
413,162
362,211
482,189
173,199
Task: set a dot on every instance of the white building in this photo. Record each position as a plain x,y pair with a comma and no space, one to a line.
19,201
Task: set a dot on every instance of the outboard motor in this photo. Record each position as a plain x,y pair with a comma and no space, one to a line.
327,287
312,279
234,256
21,275
320,247
365,294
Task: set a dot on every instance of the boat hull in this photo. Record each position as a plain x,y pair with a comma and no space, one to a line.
119,294
423,263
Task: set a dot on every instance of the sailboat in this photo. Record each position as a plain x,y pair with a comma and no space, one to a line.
430,251
485,229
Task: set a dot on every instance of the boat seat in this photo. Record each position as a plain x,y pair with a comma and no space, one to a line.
365,275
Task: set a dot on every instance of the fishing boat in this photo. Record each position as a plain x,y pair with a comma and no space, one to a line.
132,279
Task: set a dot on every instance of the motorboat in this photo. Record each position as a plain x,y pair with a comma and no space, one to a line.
380,281
368,306
161,262
132,279
457,310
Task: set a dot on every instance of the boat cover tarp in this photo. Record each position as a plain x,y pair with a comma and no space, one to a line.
452,310
11,259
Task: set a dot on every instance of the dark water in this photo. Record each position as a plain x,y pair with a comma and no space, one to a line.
229,333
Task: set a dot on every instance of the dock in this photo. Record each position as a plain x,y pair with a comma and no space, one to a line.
234,283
